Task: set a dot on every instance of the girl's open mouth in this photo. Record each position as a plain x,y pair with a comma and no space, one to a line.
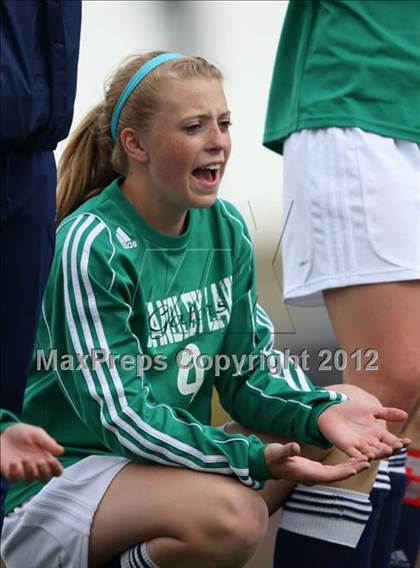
207,175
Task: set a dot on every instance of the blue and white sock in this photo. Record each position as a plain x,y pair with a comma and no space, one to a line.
397,463
320,527
386,531
135,557
362,556
382,480
407,542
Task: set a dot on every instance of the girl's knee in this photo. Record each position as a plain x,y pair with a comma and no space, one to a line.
396,383
402,376
233,527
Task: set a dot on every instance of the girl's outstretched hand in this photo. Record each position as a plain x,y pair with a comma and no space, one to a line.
27,453
284,463
353,427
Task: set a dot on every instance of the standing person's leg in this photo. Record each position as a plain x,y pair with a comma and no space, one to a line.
353,233
383,319
27,236
348,228
353,236
407,542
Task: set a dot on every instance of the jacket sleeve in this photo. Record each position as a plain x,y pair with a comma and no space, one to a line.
7,418
38,71
115,403
268,394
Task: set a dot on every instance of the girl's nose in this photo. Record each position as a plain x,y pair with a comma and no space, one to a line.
217,139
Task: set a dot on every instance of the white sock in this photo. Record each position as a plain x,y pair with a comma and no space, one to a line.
327,513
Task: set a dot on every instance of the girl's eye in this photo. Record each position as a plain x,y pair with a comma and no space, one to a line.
225,124
192,128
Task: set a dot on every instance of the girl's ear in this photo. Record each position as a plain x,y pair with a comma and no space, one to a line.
133,146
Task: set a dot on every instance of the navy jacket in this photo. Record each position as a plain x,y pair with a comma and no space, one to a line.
38,71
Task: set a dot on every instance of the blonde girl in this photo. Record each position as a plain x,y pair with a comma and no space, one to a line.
154,277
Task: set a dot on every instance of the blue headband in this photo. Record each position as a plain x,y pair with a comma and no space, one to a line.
138,76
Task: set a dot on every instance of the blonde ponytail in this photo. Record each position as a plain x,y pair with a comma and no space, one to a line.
85,166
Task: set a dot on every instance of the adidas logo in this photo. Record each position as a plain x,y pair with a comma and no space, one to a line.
125,240
399,560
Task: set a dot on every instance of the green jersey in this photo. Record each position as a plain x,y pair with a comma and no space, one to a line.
134,325
347,63
7,418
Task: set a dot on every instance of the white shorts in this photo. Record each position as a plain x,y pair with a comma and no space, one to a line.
52,529
351,211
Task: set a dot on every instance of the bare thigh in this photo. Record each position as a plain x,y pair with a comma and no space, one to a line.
386,318
146,502
412,428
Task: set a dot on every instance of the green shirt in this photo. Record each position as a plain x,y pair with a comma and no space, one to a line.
7,418
347,63
119,286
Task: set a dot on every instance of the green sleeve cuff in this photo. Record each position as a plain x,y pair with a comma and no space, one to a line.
257,465
318,438
7,418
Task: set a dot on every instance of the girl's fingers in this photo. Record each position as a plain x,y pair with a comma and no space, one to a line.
55,467
304,470
353,452
44,441
391,414
339,472
29,470
290,449
43,470
349,468
395,443
275,453
382,450
15,472
385,450
388,438
369,450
